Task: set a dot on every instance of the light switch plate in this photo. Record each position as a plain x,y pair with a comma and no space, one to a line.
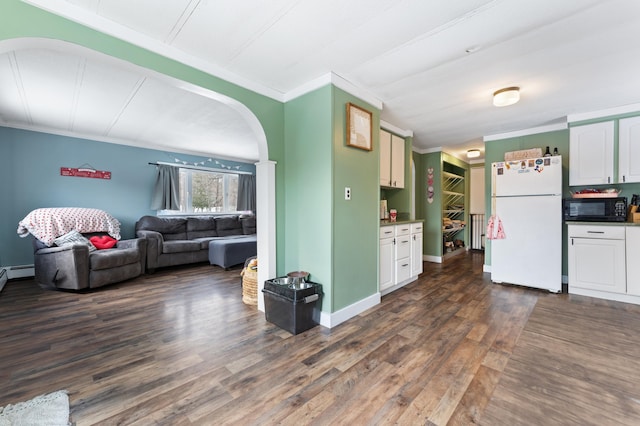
347,193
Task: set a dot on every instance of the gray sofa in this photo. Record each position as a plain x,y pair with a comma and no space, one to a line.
181,240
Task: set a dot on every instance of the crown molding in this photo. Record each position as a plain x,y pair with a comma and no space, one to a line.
121,141
526,132
427,150
397,130
625,109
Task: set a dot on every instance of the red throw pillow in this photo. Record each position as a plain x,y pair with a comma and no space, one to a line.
103,242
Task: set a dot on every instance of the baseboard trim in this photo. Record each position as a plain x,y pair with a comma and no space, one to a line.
618,297
333,319
434,259
486,268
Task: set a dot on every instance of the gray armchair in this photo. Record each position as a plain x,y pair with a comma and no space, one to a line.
75,268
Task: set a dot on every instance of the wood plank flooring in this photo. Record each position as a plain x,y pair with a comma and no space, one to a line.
179,347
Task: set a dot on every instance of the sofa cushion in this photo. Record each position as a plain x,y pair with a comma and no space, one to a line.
180,246
113,258
248,224
204,242
228,225
201,227
171,228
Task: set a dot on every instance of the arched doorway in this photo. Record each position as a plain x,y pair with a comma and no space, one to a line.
70,61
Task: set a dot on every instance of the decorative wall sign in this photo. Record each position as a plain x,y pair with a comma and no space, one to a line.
430,188
359,127
85,172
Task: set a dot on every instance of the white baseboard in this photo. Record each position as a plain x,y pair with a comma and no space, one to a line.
330,320
3,278
434,259
627,298
486,268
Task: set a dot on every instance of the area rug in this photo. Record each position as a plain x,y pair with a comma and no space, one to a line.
51,410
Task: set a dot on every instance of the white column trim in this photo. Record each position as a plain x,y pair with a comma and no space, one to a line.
266,224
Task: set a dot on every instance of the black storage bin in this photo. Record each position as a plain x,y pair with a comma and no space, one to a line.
295,308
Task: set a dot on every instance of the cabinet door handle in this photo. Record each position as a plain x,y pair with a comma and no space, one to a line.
414,238
394,241
624,178
405,265
595,232
608,179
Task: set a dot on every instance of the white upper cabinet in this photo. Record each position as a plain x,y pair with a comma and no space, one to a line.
385,158
629,150
591,154
391,160
397,162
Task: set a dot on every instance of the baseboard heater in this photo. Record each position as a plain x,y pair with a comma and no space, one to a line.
19,271
477,232
3,278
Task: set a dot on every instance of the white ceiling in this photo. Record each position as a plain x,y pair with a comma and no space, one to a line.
433,64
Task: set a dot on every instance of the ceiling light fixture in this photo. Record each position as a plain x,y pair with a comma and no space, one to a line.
473,153
507,96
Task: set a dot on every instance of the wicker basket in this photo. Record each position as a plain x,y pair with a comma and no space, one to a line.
250,286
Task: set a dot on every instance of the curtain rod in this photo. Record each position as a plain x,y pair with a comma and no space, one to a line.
184,166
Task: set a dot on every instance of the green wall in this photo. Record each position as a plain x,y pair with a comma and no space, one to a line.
355,222
308,166
431,213
333,239
18,19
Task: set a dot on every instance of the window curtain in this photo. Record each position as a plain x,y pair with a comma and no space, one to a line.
246,193
165,193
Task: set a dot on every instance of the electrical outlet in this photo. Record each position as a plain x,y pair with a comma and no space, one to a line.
347,193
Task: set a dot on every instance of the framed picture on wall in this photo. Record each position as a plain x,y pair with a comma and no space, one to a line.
359,127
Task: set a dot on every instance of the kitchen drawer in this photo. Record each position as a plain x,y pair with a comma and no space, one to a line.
387,231
597,232
403,270
416,227
403,247
404,229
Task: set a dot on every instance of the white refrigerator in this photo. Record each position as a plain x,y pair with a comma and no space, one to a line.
527,200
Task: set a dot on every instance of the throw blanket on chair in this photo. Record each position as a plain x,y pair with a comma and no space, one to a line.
50,223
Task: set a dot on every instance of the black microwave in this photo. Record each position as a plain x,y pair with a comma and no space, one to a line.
595,209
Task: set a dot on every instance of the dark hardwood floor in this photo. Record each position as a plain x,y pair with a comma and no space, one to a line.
179,348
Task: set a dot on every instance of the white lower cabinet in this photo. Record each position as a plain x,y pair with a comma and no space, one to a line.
386,258
398,250
603,261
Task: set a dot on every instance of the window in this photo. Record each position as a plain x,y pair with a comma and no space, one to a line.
207,192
